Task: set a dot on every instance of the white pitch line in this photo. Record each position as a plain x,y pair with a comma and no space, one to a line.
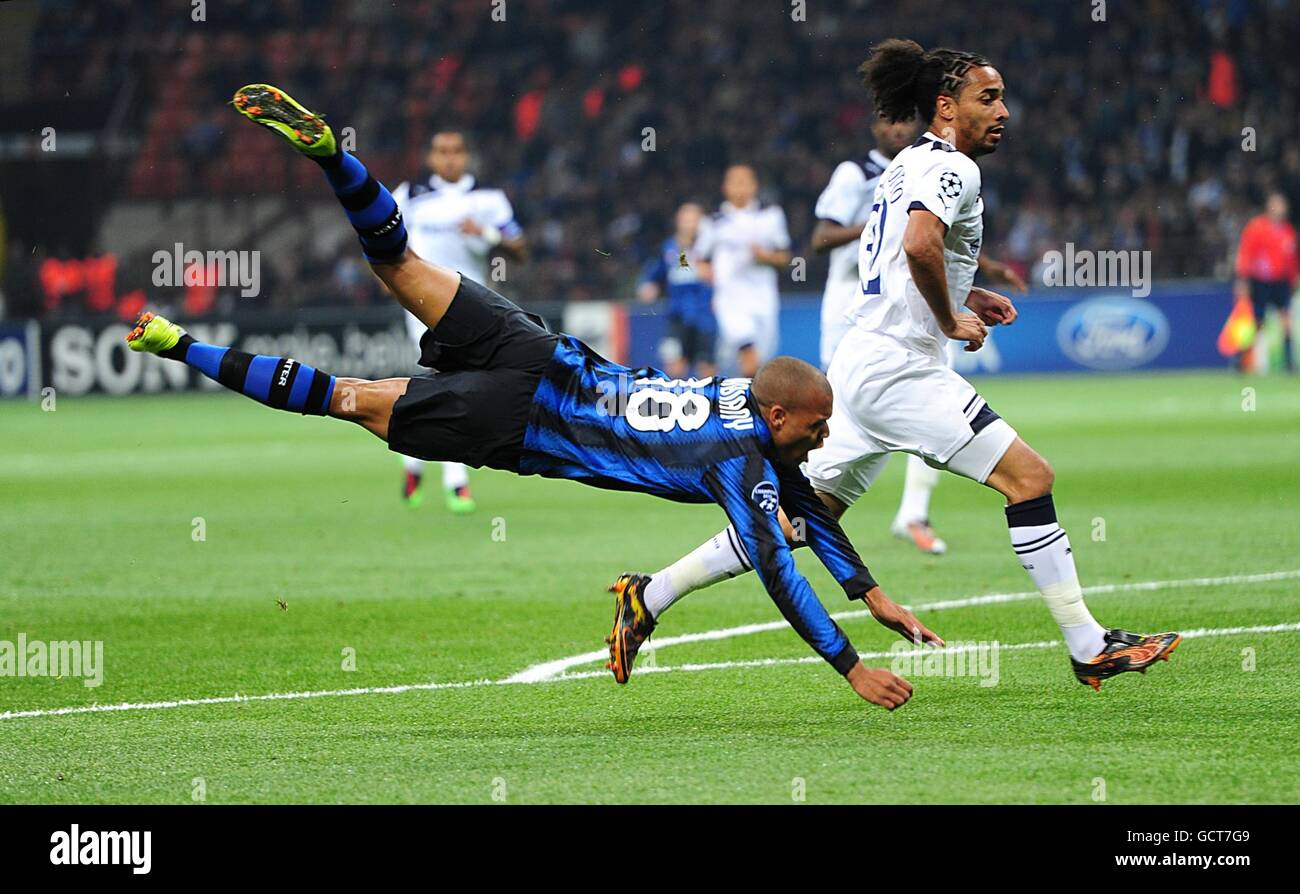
924,652
911,653
688,668
236,699
538,673
585,675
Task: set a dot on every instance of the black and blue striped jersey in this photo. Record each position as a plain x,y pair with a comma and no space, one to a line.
694,441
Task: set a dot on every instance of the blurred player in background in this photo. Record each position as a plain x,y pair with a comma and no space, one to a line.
454,221
692,329
842,212
744,244
1267,268
894,389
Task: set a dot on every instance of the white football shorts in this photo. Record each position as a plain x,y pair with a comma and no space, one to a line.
890,398
836,301
738,327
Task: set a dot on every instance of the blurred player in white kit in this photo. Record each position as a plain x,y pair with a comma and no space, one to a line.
743,246
454,221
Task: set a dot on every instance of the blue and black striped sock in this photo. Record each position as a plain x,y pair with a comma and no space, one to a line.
370,207
279,382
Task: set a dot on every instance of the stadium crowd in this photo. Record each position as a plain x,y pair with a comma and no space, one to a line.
1167,144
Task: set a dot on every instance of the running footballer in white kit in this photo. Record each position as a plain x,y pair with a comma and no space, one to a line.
743,246
893,387
842,212
454,221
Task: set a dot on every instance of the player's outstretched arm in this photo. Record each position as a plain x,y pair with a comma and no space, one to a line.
746,489
813,523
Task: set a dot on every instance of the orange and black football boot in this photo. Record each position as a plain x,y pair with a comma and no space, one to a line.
632,624
1125,652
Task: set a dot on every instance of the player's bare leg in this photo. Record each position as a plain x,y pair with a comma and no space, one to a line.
425,289
1022,474
281,383
837,507
369,403
1025,478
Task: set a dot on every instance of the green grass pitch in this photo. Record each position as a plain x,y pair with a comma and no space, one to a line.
1159,478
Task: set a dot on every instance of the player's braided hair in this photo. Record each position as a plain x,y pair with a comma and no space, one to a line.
906,80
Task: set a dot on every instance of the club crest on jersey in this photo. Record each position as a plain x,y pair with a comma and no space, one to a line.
765,495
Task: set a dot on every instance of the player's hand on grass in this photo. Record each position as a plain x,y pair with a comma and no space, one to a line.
993,309
879,686
898,619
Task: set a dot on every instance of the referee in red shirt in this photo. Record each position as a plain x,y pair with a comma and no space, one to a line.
1267,266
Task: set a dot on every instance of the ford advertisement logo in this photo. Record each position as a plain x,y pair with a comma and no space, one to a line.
1113,333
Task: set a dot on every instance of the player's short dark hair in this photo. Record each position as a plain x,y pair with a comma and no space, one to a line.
784,380
905,79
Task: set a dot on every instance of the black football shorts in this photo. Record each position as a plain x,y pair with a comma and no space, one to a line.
489,356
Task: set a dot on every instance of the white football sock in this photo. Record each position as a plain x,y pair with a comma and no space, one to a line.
718,558
918,484
1044,551
413,465
454,475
